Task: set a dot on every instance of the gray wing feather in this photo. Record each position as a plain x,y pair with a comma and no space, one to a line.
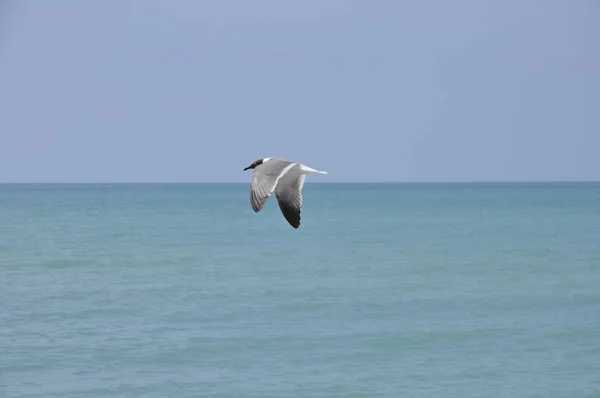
264,180
289,197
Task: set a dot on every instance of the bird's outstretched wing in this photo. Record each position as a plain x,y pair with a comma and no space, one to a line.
264,180
289,197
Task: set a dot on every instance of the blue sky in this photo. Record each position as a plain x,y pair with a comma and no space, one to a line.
386,90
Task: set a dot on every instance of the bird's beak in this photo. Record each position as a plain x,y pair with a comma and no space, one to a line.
246,168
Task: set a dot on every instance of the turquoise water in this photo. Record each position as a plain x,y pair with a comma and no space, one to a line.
386,290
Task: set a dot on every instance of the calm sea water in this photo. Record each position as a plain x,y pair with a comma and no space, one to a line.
386,290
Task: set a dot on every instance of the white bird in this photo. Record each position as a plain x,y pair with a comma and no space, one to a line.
286,179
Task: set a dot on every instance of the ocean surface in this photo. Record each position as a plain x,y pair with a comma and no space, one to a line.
386,290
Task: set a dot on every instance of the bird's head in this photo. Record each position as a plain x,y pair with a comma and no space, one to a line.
256,163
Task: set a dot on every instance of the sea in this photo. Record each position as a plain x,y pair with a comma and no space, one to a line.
385,290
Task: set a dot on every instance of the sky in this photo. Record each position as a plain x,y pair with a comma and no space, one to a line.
386,90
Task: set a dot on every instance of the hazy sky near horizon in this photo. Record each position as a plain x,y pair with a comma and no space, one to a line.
415,90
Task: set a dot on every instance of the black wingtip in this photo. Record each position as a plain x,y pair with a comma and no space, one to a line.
295,223
291,216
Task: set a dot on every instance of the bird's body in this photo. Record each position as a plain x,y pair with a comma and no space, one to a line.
283,177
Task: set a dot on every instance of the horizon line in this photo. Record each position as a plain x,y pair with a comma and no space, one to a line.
308,182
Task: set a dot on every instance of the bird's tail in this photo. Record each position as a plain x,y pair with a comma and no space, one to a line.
307,169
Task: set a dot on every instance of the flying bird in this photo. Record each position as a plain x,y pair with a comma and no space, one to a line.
286,179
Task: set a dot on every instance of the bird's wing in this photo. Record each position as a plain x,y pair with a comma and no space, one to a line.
264,180
289,197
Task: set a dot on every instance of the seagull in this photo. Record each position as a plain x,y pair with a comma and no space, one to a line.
286,179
